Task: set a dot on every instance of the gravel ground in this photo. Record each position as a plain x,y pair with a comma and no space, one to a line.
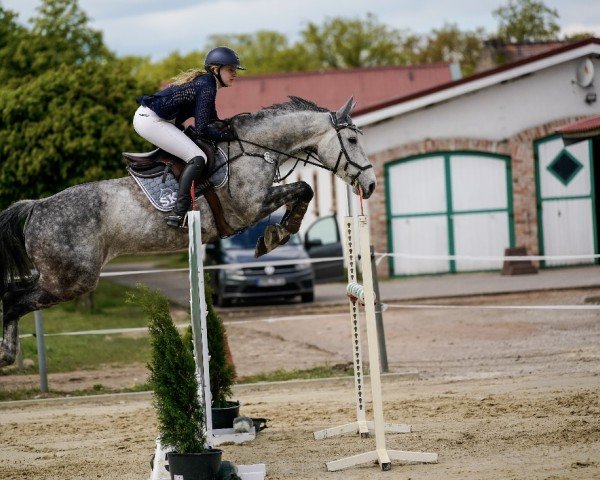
496,393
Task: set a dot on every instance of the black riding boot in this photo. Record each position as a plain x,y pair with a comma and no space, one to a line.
192,171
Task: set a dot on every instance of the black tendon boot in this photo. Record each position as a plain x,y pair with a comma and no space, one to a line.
192,171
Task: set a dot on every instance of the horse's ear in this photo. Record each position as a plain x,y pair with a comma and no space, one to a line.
343,114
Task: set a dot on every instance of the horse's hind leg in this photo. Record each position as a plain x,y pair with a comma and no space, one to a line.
296,198
14,306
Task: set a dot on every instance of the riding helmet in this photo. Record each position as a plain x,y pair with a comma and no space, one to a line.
222,56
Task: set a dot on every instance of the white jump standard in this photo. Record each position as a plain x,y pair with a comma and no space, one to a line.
362,425
381,454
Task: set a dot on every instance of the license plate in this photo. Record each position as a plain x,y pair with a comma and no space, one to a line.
271,282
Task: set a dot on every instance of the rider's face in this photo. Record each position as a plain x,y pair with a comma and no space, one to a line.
228,74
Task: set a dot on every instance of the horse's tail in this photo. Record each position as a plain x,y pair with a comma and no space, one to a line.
15,265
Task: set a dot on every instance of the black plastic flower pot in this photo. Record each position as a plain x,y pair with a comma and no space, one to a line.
195,466
223,417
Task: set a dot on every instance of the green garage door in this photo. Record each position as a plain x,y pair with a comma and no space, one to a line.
566,200
446,204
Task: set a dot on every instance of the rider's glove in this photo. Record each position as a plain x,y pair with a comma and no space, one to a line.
219,132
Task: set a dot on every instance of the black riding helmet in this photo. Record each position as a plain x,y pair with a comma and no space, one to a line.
220,57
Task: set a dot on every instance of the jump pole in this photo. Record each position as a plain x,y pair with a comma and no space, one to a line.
381,454
198,314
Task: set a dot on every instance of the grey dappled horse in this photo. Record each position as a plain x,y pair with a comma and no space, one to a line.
67,238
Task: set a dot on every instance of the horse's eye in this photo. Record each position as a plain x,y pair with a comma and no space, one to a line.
352,140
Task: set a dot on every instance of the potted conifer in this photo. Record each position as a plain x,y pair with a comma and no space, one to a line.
173,380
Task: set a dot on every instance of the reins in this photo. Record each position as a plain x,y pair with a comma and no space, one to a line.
309,151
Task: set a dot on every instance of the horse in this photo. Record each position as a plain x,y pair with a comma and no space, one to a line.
52,250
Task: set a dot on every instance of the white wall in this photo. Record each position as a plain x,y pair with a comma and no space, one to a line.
492,113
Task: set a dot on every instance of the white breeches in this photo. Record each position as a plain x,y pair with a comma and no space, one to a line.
165,135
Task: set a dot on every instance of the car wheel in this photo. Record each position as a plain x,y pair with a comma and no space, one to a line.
308,297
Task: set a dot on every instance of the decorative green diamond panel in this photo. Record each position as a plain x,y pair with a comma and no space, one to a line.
564,167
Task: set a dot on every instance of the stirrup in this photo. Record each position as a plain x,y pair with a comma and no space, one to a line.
177,221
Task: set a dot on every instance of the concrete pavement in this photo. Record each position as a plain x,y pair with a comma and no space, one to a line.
175,286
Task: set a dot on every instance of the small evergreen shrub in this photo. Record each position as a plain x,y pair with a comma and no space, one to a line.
172,377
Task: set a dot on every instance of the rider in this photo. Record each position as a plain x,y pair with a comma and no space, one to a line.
191,94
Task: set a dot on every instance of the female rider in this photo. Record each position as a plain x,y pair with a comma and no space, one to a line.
191,94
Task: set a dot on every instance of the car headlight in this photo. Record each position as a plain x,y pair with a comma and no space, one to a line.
300,267
238,272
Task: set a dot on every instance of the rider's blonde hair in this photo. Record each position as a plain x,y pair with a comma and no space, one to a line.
186,76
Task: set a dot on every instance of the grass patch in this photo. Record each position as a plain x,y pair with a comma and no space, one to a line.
324,371
98,389
159,260
89,352
84,352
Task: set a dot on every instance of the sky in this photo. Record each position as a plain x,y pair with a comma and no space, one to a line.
156,28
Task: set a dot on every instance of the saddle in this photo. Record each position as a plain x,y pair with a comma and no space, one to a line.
159,163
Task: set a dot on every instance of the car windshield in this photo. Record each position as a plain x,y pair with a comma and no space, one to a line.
248,238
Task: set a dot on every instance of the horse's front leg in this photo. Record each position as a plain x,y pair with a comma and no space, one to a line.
296,197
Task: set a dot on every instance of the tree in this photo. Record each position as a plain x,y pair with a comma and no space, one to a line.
59,35
156,74
10,38
343,43
265,52
450,44
526,21
64,127
65,104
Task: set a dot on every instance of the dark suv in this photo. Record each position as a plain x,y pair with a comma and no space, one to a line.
287,280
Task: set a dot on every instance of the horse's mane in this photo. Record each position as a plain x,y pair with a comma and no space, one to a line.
295,104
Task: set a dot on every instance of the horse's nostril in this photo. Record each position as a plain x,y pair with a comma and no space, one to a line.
371,188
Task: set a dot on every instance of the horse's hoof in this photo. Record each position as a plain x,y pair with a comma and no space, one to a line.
261,248
276,235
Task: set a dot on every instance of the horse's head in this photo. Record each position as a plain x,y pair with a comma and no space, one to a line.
340,150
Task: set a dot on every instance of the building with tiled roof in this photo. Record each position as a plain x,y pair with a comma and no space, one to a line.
331,88
471,167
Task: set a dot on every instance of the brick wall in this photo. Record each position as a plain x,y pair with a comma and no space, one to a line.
519,148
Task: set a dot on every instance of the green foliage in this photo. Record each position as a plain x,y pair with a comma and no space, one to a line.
61,36
172,377
65,104
349,43
153,75
11,34
526,21
64,127
87,352
450,44
266,51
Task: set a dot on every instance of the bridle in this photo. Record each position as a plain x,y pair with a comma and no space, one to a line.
338,128
311,155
